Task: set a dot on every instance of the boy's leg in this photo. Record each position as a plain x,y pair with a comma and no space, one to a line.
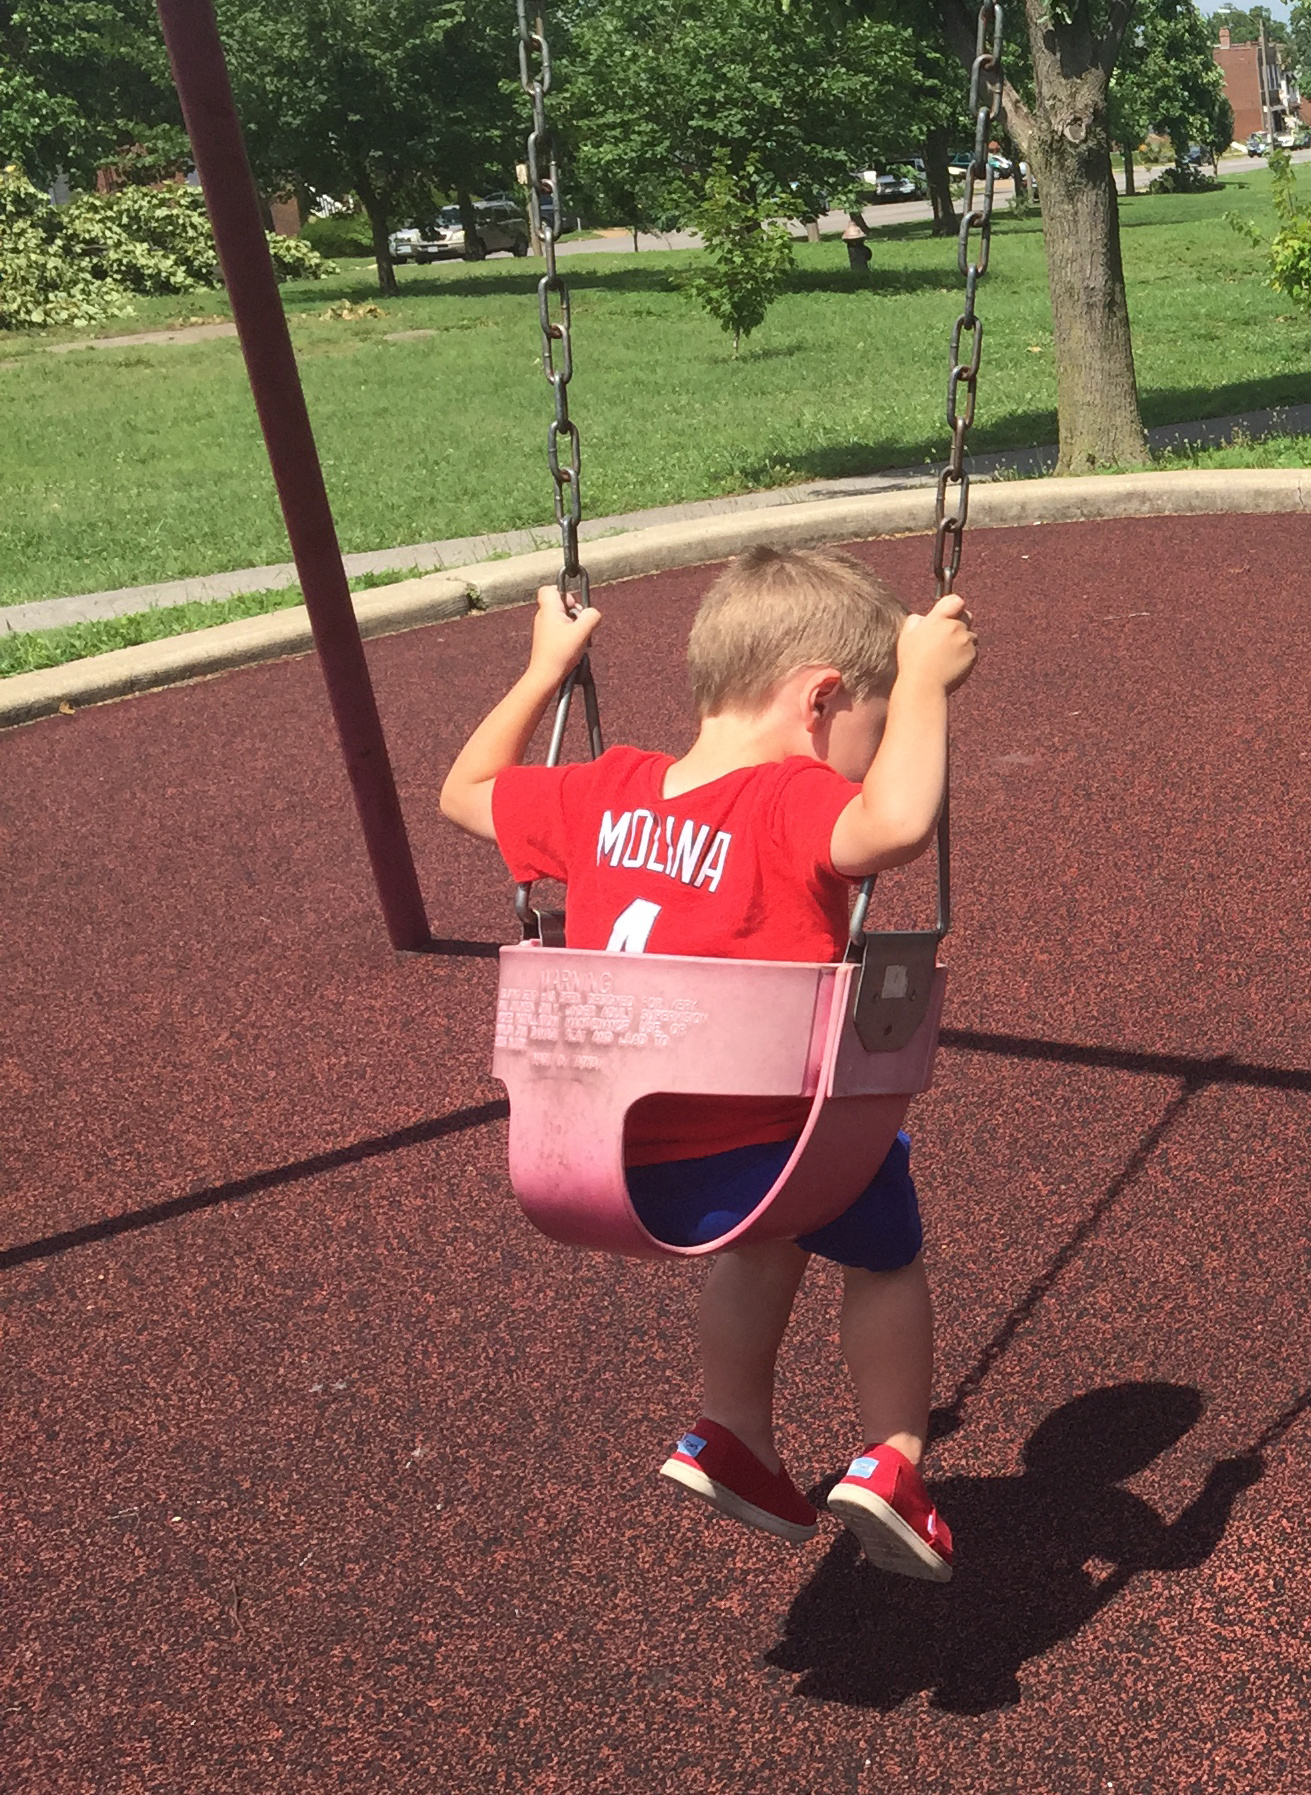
887,1342
745,1305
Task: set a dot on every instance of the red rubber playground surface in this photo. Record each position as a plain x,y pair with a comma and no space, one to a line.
322,1472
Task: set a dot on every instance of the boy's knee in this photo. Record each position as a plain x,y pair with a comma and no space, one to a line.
860,1276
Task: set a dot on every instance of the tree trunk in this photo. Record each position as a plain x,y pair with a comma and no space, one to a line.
375,205
469,225
1129,188
936,150
1066,141
1096,392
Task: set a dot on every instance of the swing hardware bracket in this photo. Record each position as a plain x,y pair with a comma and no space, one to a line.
546,926
894,987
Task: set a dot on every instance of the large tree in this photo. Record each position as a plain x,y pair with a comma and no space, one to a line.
653,97
1062,128
82,83
1245,27
1299,42
386,99
1166,80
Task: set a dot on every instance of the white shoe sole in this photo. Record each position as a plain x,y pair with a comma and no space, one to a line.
885,1538
722,1498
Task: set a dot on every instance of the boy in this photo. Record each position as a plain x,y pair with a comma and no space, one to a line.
821,758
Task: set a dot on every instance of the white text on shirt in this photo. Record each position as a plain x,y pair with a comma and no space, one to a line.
639,838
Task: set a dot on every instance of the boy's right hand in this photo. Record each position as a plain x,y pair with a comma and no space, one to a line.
560,637
941,647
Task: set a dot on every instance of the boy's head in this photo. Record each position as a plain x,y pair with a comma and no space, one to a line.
774,610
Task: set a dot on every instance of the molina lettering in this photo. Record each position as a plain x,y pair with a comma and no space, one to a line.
713,870
639,838
611,836
661,844
681,860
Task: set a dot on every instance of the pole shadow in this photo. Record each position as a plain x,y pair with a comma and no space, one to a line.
1039,1555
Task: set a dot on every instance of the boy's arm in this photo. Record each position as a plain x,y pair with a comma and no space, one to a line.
501,739
893,819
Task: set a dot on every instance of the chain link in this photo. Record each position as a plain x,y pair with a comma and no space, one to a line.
563,449
972,259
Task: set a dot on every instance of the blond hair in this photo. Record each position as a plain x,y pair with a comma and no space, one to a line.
774,610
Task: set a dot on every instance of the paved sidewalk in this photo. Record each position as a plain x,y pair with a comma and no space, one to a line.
462,551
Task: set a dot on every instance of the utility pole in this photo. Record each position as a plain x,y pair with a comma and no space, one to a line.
1263,77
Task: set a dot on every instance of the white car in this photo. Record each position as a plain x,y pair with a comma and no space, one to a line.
501,226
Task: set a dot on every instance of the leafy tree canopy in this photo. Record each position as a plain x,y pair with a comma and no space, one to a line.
1245,27
1166,80
84,82
791,99
1299,42
383,98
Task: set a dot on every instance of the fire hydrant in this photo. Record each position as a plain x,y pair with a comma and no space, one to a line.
858,253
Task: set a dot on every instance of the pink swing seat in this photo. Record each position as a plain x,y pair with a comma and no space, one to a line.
582,1035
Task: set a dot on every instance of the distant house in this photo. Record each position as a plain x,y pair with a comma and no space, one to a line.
281,214
1262,92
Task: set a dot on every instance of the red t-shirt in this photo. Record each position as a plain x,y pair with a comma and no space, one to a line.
736,869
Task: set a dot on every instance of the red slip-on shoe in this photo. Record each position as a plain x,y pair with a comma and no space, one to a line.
883,1500
715,1465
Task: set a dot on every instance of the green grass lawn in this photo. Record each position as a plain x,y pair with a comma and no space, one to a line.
144,463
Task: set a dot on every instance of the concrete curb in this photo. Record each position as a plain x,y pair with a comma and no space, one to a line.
437,597
222,649
1015,503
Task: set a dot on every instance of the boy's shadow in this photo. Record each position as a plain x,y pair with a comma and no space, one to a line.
1037,1557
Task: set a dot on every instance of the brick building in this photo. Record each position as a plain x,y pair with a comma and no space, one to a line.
1262,92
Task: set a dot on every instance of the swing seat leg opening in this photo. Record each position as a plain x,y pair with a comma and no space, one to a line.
582,1036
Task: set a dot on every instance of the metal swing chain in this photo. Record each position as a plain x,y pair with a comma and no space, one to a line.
563,455
949,527
985,104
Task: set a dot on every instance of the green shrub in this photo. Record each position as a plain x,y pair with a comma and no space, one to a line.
148,239
345,234
41,284
80,263
748,258
295,259
1290,261
1184,178
1289,249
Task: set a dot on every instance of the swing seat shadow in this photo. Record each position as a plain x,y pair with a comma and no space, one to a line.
1038,1555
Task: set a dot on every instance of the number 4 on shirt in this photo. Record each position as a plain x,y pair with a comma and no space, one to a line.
633,927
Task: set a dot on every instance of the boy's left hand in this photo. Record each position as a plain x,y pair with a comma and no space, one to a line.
559,638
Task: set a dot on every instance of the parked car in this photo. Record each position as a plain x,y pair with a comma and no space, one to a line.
1258,144
500,226
959,161
571,223
898,181
894,185
571,220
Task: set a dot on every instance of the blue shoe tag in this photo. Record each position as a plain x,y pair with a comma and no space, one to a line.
862,1467
691,1444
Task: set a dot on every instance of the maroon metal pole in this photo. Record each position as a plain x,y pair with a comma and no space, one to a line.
201,75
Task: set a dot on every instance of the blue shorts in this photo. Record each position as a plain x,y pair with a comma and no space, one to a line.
687,1202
